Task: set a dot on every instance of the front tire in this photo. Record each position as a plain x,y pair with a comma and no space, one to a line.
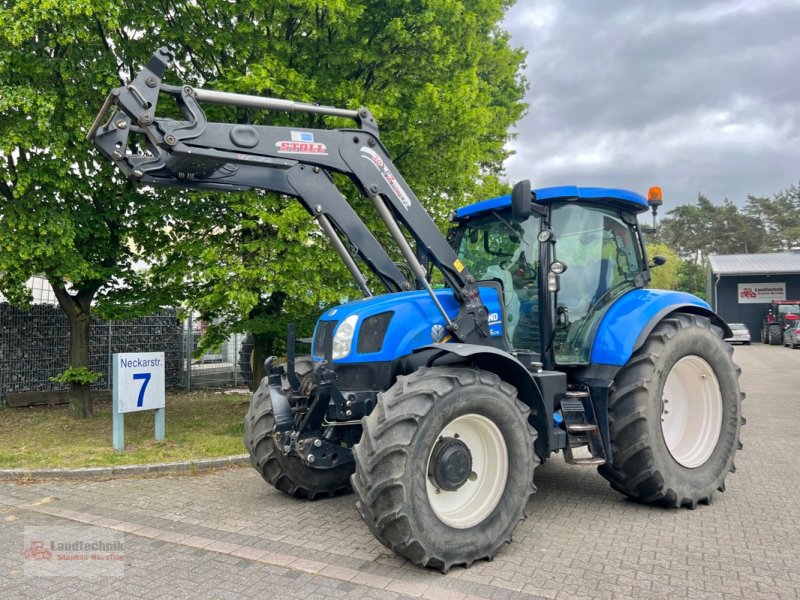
412,450
287,473
676,458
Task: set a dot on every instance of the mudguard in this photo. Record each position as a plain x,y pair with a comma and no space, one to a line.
509,369
628,322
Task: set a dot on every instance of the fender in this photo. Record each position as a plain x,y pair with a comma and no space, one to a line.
628,322
510,370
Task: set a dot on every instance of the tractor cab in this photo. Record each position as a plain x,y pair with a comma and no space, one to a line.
561,265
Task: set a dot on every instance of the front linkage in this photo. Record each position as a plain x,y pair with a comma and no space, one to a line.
314,421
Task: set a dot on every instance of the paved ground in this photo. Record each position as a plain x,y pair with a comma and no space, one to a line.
227,534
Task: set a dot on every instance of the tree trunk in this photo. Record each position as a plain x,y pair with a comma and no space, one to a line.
260,341
80,399
78,310
264,343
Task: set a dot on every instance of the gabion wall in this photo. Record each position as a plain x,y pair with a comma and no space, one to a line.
34,346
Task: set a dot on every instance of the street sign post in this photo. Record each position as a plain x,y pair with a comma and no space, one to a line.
138,385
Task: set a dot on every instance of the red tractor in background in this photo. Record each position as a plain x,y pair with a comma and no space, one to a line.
780,315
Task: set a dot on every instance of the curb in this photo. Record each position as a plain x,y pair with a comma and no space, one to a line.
125,470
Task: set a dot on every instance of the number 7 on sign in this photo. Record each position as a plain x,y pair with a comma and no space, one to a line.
145,377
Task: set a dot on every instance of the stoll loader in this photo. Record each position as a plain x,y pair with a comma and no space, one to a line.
435,404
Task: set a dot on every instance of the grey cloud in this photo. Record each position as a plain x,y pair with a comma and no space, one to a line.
696,96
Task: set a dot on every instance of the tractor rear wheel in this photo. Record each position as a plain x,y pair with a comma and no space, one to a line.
287,473
675,415
774,334
445,465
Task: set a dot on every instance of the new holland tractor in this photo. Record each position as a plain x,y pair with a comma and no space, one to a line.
435,403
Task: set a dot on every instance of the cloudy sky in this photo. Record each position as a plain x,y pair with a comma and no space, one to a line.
694,96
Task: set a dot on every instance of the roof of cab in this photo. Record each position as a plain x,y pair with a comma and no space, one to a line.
630,200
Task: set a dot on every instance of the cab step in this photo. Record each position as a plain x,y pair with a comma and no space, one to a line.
581,431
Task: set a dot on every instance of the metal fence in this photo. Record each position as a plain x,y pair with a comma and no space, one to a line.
34,346
229,366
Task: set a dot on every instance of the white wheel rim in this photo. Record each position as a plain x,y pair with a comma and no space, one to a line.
481,492
691,411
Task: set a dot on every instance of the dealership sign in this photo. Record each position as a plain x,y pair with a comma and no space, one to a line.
760,293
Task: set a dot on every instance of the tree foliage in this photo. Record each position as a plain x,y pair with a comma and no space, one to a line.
440,77
444,86
780,216
696,230
62,213
664,277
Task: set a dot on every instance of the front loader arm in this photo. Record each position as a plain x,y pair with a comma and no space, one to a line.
295,161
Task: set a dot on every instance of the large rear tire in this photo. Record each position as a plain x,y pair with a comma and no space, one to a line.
287,473
413,449
774,334
675,415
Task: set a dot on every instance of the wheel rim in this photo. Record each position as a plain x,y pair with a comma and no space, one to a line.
481,492
691,411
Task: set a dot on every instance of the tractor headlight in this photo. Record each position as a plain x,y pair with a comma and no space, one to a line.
343,338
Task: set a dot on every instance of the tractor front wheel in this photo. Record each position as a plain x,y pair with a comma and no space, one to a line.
675,415
445,465
287,473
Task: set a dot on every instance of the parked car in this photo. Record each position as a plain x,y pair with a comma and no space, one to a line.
791,335
741,334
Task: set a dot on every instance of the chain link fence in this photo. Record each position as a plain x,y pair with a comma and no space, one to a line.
34,346
229,366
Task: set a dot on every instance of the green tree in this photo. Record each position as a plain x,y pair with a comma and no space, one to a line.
63,213
664,277
692,278
780,215
443,84
440,77
696,230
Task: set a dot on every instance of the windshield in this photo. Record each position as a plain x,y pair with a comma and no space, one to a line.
603,259
494,247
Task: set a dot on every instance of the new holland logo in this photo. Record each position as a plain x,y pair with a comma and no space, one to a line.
437,333
287,147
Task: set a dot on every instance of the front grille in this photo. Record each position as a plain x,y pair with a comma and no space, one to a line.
373,330
323,337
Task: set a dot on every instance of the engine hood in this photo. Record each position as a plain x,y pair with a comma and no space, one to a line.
414,322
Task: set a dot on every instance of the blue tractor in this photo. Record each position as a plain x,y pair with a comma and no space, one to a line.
528,330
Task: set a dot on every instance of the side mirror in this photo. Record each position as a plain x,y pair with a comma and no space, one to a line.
521,200
659,260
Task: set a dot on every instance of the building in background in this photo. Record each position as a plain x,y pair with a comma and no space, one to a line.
40,289
741,286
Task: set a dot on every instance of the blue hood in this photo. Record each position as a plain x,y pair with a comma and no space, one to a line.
414,316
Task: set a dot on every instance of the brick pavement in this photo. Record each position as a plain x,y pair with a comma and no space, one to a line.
229,534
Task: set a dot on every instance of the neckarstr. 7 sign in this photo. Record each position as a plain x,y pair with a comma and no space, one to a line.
139,381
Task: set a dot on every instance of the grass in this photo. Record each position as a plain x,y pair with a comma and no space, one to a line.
200,424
